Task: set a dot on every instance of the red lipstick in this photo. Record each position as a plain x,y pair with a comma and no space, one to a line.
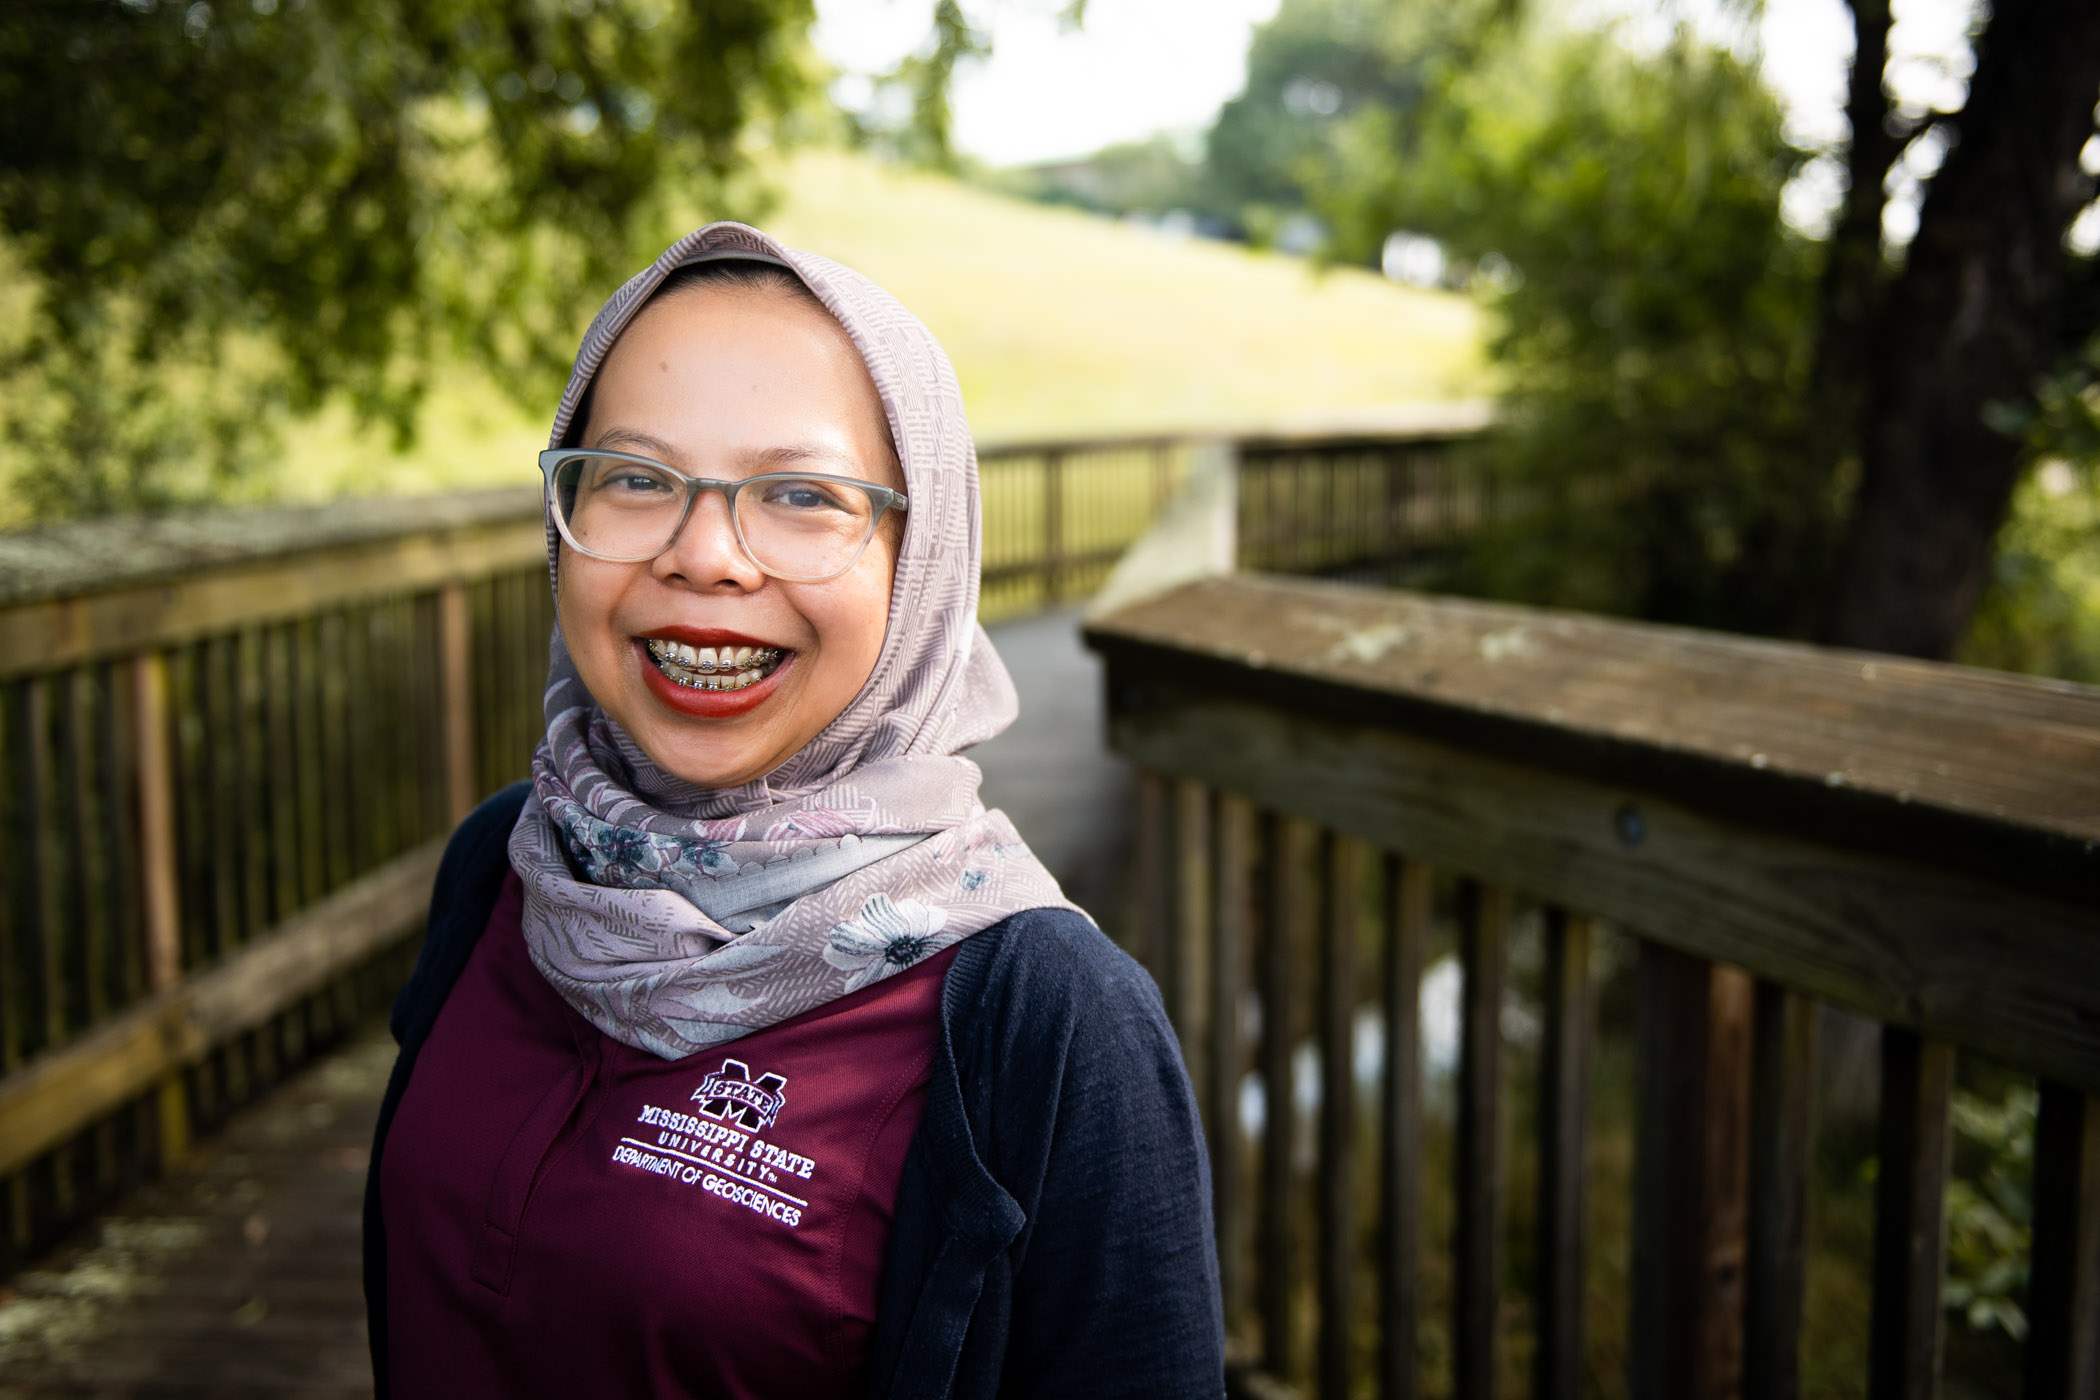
707,704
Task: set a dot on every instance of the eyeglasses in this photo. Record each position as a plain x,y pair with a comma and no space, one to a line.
797,526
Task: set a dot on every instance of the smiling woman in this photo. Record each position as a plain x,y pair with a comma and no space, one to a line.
724,378
748,1054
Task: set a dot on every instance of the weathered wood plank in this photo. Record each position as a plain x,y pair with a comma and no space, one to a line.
2063,1287
53,632
1192,932
1982,771
57,1094
1563,1142
1150,940
1910,1217
1408,893
1342,868
1691,1177
1782,1124
456,686
158,863
1967,960
1233,929
1288,896
1476,1245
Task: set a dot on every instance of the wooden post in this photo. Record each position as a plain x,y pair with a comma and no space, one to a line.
1782,1123
1407,915
157,872
1564,1085
1234,899
1150,940
1477,1238
1053,526
456,650
1342,874
1285,842
1691,1177
1910,1216
2063,1287
1191,932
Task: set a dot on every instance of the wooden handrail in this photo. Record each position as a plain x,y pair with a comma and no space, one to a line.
1774,824
56,1096
82,592
1847,824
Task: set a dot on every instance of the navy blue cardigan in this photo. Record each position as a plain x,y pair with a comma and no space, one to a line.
1052,1233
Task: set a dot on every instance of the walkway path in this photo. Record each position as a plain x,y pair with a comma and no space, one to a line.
238,1275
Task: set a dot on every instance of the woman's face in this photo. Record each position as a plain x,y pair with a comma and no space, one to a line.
728,383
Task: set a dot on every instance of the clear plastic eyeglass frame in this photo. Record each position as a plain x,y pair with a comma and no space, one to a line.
880,498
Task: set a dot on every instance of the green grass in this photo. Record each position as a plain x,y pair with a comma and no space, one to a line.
1059,324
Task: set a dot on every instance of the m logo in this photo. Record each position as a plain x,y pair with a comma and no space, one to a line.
732,1095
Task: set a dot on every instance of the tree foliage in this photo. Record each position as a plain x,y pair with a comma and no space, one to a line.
1312,71
216,211
1713,418
1621,213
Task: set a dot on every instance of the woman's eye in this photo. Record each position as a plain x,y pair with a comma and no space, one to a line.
801,495
635,483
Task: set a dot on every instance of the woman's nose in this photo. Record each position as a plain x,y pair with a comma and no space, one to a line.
706,552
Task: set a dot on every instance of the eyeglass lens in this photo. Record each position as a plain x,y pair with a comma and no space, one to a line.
794,527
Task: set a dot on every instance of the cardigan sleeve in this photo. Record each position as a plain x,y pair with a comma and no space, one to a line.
1114,1289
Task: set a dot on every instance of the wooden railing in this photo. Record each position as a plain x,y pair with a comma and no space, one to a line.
233,744
1337,780
1393,500
1364,506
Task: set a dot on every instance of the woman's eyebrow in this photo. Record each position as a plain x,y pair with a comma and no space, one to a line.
816,455
808,456
629,440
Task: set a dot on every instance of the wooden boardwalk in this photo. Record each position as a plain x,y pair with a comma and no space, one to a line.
238,1276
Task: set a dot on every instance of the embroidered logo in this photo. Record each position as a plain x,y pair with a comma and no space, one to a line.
730,1094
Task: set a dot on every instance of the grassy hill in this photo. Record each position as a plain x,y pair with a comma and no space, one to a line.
1059,323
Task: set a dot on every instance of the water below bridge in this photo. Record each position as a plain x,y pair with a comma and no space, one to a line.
237,1276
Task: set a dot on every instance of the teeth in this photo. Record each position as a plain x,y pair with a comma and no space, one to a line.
714,668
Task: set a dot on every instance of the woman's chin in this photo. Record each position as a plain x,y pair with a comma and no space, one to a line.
711,765
711,739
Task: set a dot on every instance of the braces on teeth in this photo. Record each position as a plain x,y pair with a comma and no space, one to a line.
714,668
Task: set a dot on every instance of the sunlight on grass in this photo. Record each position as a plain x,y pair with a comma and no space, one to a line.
1059,324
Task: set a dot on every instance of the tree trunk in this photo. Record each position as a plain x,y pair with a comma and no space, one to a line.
1852,269
1974,319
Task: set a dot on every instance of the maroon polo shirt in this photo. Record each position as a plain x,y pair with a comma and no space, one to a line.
566,1215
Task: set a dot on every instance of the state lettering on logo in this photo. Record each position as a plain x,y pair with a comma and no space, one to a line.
730,1094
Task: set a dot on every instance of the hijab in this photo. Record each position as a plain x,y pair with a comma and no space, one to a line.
675,917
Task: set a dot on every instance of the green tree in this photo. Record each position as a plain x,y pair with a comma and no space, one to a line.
214,213
1622,211
1311,71
1718,420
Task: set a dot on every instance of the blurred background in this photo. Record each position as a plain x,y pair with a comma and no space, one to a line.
266,250
1778,319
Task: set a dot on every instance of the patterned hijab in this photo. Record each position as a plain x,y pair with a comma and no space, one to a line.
675,917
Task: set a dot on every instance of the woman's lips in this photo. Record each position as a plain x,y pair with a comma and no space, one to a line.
706,704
